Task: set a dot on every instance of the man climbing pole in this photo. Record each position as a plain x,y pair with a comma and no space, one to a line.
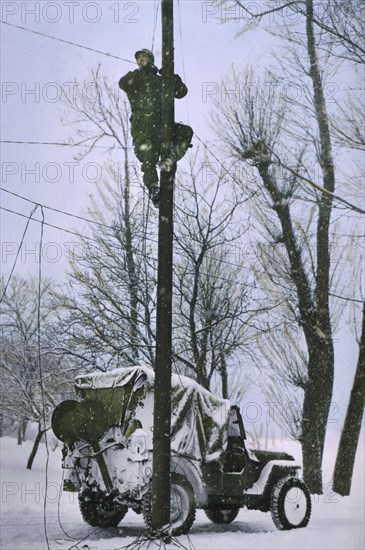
144,90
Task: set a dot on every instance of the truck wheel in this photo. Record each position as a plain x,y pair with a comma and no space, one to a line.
290,504
182,506
99,512
221,515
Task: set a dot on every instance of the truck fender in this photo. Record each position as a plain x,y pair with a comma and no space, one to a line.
191,471
271,471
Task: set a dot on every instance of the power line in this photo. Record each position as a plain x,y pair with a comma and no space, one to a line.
39,354
319,187
135,249
216,277
8,141
88,220
346,298
44,223
48,224
96,223
67,42
56,209
79,235
310,182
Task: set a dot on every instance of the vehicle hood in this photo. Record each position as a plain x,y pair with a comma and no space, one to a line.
266,456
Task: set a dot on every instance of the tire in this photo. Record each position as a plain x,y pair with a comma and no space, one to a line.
220,514
182,503
99,512
290,504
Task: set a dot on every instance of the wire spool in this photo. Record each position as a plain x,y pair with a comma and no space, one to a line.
90,420
86,421
63,421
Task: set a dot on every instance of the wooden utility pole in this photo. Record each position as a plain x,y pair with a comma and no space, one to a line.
162,403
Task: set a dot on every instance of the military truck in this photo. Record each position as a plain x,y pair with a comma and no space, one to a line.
108,446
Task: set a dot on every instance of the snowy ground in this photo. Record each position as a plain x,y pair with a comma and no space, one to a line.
336,523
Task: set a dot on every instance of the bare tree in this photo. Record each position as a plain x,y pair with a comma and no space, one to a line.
108,312
110,303
342,24
33,379
102,330
346,453
212,322
99,116
255,128
260,135
212,318
355,306
283,360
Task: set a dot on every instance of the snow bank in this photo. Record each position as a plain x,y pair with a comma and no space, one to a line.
336,523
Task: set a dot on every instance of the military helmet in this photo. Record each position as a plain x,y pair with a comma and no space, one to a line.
148,52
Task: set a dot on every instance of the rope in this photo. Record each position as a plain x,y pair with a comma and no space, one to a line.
59,510
19,249
156,8
182,58
41,378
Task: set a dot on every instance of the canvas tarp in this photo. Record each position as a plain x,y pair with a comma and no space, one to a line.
198,420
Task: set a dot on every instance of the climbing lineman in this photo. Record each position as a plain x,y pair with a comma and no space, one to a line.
144,90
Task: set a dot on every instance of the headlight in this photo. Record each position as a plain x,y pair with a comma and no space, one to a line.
138,442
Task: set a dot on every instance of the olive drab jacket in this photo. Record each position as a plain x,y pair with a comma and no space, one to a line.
144,90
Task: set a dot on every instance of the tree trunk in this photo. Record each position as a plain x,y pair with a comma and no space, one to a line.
316,407
35,447
20,438
21,431
346,453
317,330
318,395
224,375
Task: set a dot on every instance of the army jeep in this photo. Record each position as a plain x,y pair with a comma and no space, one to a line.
108,443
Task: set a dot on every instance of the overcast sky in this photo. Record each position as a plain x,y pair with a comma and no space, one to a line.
34,67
